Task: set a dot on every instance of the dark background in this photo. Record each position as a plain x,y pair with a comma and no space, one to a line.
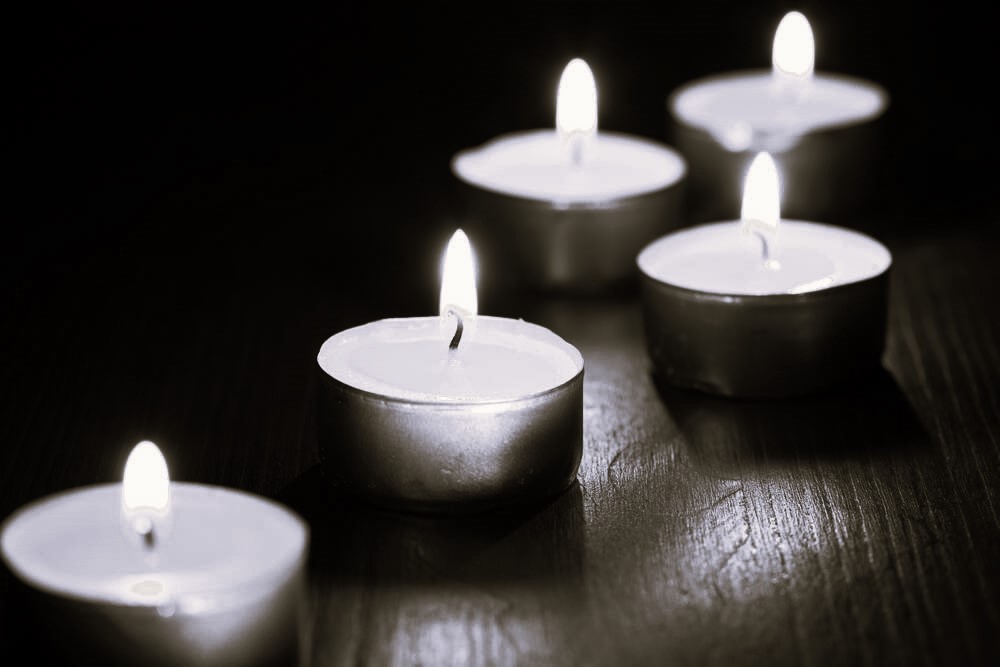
196,197
337,109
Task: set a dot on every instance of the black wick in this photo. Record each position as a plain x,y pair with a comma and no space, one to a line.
146,531
457,338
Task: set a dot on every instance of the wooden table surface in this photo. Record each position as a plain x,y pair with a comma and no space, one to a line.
855,527
182,298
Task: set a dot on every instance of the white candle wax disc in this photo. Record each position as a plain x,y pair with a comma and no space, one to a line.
498,359
741,108
722,259
539,165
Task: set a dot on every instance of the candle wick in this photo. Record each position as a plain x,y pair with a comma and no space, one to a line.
765,248
770,263
576,141
145,529
459,329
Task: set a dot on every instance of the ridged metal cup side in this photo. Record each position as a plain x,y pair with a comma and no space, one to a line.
764,346
450,457
264,632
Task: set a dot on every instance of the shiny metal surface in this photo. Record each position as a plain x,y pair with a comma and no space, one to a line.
538,245
447,457
764,346
265,630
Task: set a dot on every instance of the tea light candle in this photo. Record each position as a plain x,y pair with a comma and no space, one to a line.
568,209
818,127
758,308
453,413
162,573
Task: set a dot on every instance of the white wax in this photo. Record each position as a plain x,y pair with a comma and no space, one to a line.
498,359
720,258
225,547
741,109
538,165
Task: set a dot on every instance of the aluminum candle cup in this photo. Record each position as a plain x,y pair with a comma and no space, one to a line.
817,126
734,334
454,413
444,442
829,168
552,226
224,589
567,209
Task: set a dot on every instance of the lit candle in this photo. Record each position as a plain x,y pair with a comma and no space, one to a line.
567,209
151,571
761,308
451,413
817,126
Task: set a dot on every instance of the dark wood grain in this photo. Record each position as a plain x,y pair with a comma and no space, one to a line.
859,526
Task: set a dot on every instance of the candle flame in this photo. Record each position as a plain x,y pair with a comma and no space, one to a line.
146,483
458,280
794,51
576,100
761,194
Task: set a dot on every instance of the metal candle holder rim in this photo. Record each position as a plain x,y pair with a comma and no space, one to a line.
138,604
762,299
597,204
877,88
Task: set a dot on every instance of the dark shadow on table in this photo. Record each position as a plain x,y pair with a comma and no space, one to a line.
539,545
869,419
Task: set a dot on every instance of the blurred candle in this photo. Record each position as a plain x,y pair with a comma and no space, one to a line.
567,209
156,572
818,127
